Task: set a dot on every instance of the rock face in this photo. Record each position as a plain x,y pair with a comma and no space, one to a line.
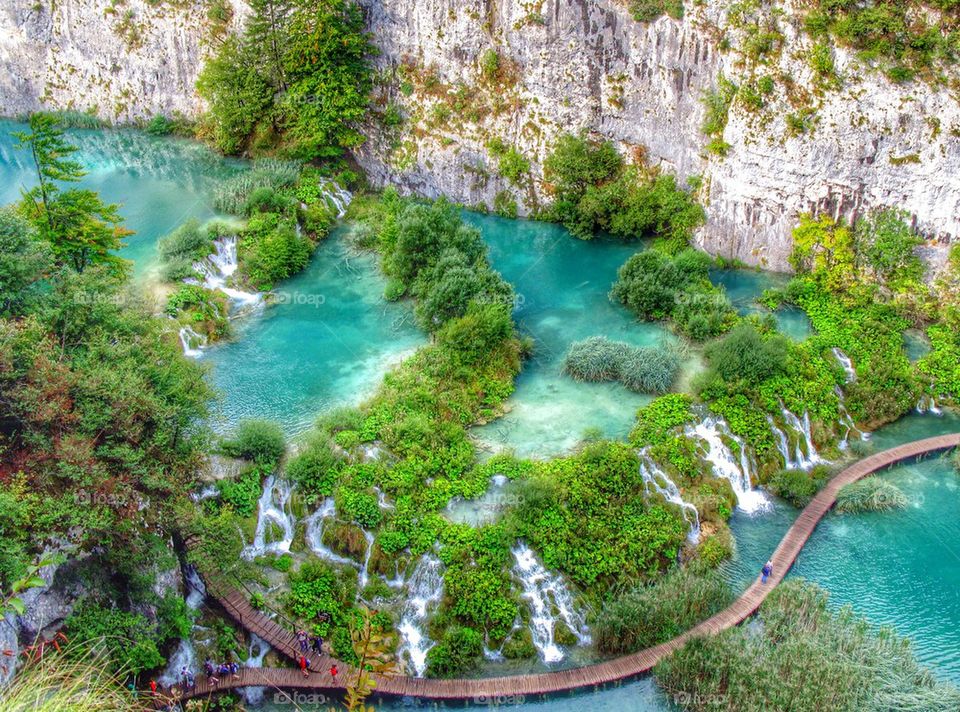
561,65
125,61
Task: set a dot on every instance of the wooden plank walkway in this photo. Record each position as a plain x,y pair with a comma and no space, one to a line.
238,607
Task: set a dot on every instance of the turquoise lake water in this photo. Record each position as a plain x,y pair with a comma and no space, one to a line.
296,358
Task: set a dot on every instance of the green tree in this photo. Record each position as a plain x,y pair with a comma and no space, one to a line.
329,77
887,243
238,95
24,260
266,29
82,230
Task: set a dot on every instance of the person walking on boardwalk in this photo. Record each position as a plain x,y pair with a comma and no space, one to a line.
766,571
153,687
304,666
317,644
302,640
333,671
211,672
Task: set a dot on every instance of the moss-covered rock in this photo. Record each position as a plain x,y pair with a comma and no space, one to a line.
519,645
562,635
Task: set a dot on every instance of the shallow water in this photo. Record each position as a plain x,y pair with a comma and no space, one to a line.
159,182
326,343
744,286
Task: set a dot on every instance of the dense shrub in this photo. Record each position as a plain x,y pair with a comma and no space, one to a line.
129,638
594,191
316,589
242,492
650,614
645,370
798,486
459,652
270,250
746,354
259,440
657,286
804,657
870,495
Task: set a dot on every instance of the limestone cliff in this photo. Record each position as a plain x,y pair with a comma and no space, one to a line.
454,75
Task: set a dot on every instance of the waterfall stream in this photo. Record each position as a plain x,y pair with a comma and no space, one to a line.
846,363
337,198
545,593
192,342
803,460
254,695
314,534
657,480
711,430
273,514
424,590
185,655
928,404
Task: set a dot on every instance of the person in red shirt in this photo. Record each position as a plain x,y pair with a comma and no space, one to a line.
303,666
153,686
333,671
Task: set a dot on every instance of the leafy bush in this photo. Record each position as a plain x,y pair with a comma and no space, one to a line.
181,248
459,652
243,492
259,440
360,507
797,486
128,638
270,250
650,614
645,370
316,589
657,286
594,191
746,354
870,495
804,657
233,195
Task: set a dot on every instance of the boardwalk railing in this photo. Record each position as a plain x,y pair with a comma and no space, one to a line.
239,608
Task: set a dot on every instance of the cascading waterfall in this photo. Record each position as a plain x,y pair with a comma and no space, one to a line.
712,430
314,534
846,422
365,568
217,268
657,480
846,363
424,590
804,460
273,513
192,342
185,656
337,198
254,695
546,593
928,404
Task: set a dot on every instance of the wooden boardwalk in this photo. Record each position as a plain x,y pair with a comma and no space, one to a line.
284,640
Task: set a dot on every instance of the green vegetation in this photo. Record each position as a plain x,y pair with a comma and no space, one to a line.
657,286
101,411
588,517
650,614
797,486
511,164
717,111
870,495
650,10
748,355
897,36
645,370
595,191
803,658
296,82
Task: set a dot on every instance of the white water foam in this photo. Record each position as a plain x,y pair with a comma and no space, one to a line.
424,590
273,513
846,363
712,430
254,695
337,198
185,656
805,453
546,592
658,480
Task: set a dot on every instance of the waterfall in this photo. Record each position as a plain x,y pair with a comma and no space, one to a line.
185,656
546,593
336,197
192,342
364,570
846,363
314,534
424,589
712,430
254,695
217,268
273,512
804,461
657,480
927,404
